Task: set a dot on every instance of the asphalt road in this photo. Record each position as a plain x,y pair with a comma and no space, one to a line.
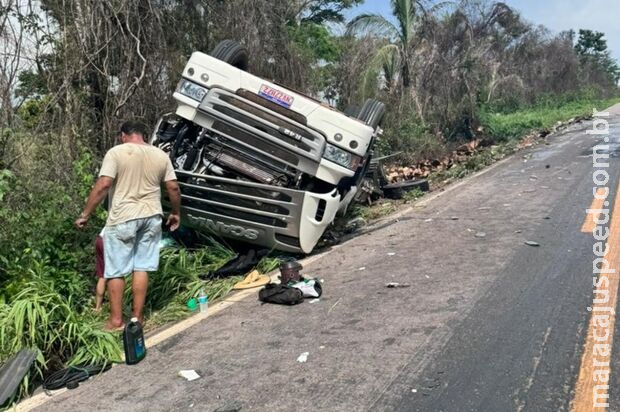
488,323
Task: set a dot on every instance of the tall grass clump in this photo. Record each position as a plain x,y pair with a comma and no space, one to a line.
179,279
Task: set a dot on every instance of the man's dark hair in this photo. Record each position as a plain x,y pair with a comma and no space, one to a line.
132,126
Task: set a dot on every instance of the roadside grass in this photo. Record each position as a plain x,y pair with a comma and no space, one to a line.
506,130
508,126
179,279
413,195
373,212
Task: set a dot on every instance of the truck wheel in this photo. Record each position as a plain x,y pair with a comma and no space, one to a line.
231,52
398,190
372,113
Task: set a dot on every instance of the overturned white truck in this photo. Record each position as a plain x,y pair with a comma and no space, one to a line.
258,162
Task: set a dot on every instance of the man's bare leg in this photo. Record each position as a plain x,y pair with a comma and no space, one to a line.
116,287
139,285
99,292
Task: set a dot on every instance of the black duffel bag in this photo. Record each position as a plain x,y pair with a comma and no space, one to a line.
280,294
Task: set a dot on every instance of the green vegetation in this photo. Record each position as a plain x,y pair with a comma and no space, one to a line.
373,212
505,130
505,126
413,195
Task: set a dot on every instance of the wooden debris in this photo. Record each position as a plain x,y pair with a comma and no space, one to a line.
423,169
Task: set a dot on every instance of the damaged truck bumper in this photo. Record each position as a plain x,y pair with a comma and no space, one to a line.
268,216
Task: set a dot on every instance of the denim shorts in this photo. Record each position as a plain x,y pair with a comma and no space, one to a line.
132,246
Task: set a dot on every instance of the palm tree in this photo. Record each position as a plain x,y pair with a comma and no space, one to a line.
396,53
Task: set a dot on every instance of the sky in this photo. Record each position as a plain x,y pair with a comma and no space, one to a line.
556,15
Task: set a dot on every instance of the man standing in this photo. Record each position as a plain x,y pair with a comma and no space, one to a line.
133,173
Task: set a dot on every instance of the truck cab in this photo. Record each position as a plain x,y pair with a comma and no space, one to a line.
256,161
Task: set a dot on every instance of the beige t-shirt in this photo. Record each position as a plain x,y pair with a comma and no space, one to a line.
138,171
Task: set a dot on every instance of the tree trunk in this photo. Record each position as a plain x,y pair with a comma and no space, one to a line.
406,74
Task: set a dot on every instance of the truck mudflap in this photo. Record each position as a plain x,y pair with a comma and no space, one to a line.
269,216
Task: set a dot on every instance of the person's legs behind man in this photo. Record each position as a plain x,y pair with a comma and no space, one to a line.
99,271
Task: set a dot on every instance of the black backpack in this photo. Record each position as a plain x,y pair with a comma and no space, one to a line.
280,294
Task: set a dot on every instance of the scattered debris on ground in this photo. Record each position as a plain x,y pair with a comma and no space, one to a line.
303,358
189,374
310,288
290,271
238,265
532,243
280,294
13,372
397,285
333,306
293,287
253,280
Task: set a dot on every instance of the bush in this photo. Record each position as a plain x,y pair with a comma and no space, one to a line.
406,134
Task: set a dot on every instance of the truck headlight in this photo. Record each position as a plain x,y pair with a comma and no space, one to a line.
191,90
342,157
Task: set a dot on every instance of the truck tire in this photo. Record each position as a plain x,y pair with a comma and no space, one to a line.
231,52
398,190
372,113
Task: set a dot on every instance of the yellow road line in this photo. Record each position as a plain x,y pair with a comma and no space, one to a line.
584,399
597,204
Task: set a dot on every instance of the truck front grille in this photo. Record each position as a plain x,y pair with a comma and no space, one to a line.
233,213
239,200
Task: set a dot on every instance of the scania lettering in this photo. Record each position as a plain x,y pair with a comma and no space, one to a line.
224,229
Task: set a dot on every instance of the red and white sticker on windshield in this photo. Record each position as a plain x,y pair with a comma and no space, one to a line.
276,96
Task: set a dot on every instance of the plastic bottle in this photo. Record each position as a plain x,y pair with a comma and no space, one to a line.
133,341
203,300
